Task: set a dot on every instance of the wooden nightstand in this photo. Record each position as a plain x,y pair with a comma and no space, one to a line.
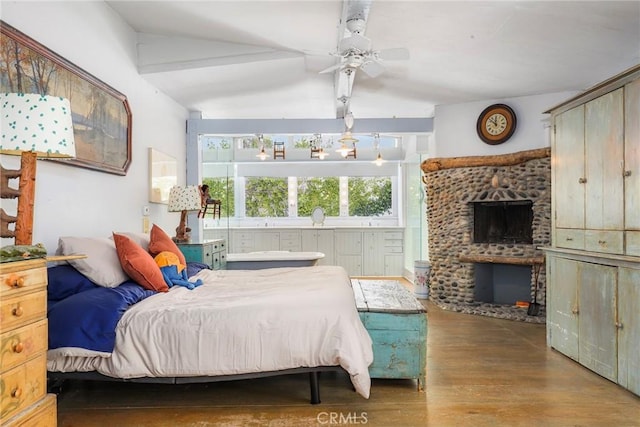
23,341
211,252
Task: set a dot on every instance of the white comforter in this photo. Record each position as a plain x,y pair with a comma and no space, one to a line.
239,322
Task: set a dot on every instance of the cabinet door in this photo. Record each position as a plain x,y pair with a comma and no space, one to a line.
393,265
325,245
632,159
568,169
266,241
596,320
373,254
604,148
348,242
319,241
629,322
562,305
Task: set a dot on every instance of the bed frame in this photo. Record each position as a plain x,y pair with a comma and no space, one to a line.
56,379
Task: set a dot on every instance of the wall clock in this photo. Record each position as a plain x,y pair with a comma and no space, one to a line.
496,124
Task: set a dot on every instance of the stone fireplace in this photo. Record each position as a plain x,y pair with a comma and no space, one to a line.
487,216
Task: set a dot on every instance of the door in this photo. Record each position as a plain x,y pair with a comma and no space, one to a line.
632,167
562,305
604,154
628,324
597,321
568,169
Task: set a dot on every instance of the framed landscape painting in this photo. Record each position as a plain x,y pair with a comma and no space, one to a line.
101,114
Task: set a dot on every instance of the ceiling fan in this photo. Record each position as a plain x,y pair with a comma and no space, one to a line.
356,52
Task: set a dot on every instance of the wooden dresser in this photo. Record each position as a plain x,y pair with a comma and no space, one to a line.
211,252
23,339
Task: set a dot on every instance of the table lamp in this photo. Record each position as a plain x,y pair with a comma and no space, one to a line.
33,126
183,199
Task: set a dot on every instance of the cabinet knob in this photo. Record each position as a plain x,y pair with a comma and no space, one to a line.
618,325
18,348
602,242
575,311
14,281
16,392
582,180
626,173
18,311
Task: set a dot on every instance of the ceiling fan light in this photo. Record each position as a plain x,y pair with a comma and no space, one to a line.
348,120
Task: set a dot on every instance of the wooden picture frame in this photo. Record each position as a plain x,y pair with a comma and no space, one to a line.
101,114
163,174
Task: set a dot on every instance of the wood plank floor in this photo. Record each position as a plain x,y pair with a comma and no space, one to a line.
480,372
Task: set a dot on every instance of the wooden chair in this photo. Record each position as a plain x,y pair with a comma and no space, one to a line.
278,149
207,202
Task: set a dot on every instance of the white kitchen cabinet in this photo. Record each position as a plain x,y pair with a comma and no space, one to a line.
319,241
373,255
348,251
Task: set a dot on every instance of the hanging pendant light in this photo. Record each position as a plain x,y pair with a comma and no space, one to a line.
262,155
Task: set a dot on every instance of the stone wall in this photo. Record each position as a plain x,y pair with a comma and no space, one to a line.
450,193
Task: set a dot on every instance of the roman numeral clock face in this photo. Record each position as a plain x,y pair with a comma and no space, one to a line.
496,124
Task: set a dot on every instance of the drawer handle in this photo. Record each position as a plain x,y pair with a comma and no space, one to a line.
602,242
18,311
569,239
582,180
18,348
16,393
15,281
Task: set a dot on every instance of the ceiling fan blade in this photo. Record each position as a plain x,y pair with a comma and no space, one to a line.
394,53
332,68
372,68
355,41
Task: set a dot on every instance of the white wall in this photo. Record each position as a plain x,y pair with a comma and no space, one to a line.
81,202
455,126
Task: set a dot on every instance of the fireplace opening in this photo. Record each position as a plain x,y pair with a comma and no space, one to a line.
503,222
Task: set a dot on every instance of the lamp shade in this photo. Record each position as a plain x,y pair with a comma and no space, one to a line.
184,198
37,123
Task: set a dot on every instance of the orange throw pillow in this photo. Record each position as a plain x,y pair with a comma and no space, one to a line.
160,242
138,264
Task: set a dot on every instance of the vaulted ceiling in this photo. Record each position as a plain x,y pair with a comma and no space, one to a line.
262,59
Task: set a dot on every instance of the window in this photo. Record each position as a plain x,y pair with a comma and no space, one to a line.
370,196
323,192
266,197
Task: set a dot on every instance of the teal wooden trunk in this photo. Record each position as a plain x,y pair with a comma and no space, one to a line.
213,253
397,324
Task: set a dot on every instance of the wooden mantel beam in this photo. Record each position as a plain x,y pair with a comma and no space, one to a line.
436,164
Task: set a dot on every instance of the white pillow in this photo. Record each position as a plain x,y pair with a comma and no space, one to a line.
101,265
142,239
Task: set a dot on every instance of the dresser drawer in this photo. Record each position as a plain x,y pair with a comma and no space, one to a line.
569,238
19,345
42,414
21,277
393,235
22,309
604,241
23,386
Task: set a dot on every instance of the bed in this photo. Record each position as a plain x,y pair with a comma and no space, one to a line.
236,324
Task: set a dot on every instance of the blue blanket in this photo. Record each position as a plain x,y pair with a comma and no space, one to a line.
83,314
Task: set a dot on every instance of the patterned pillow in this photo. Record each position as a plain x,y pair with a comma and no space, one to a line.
138,264
160,242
